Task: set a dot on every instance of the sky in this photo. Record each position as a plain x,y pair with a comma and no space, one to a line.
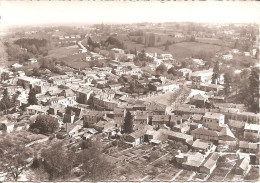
48,12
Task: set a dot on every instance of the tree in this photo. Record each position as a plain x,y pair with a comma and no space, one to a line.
32,100
14,158
227,85
216,72
236,45
166,48
94,165
5,102
254,89
128,124
5,76
36,72
139,40
45,124
161,69
58,161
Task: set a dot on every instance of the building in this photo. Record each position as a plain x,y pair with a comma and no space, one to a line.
167,87
167,57
205,134
248,147
136,138
241,166
201,77
209,164
92,117
191,160
227,57
32,60
252,131
213,120
202,146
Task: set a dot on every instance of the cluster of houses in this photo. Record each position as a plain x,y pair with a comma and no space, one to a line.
84,110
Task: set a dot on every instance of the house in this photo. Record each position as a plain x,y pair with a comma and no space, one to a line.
197,118
226,134
198,100
237,127
209,164
16,65
36,109
213,120
179,137
6,126
191,160
205,134
73,129
158,121
136,138
32,60
241,166
227,57
167,87
252,131
182,128
211,87
26,81
201,77
156,108
167,56
202,146
141,119
105,126
248,147
91,117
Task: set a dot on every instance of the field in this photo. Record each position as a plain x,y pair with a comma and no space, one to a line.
61,52
161,99
187,49
216,41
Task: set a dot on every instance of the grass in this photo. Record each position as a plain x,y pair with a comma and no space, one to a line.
253,174
161,99
187,49
163,177
61,52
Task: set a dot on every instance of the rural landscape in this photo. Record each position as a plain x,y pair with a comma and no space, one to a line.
146,101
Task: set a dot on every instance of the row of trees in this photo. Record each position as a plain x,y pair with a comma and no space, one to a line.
34,46
7,102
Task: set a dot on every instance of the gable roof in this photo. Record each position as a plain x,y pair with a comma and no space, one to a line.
203,131
213,115
242,163
236,124
226,132
200,144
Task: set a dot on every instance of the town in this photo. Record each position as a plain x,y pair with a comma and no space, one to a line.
130,102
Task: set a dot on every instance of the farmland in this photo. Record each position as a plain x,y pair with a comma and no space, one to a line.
63,51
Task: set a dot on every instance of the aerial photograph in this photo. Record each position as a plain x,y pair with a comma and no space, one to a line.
129,91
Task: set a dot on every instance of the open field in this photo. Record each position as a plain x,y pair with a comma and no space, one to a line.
61,52
187,49
161,99
216,41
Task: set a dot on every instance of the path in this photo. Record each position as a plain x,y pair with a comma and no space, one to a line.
177,175
191,176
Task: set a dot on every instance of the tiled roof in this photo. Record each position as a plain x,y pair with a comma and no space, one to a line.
202,131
